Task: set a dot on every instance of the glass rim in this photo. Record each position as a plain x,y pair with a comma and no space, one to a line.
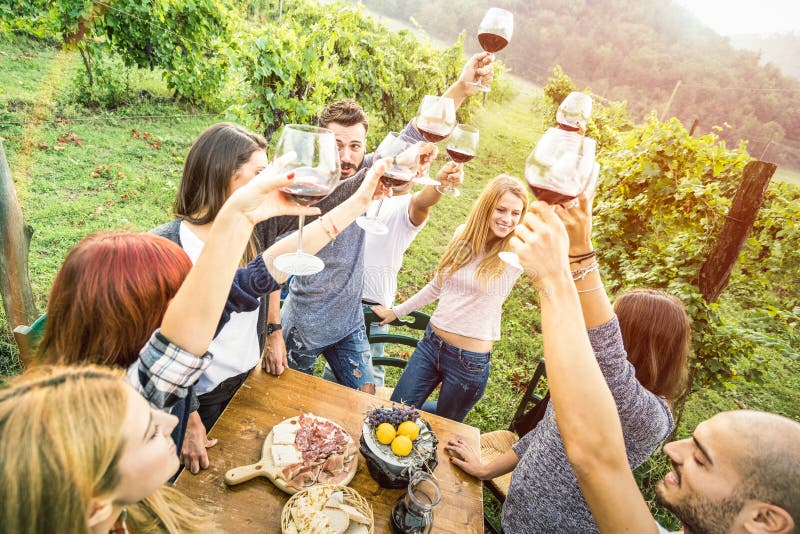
307,128
423,477
466,128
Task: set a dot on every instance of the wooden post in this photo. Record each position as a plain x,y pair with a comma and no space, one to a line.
716,271
15,238
764,152
669,102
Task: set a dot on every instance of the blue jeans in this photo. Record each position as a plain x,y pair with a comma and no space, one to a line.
376,350
349,358
462,373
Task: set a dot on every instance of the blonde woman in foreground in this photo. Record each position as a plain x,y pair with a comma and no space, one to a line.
471,285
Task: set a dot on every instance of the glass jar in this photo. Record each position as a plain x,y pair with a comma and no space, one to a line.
413,512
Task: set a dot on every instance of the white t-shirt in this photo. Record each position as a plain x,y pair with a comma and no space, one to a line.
383,254
235,348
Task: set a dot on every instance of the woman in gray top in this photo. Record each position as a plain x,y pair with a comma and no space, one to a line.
641,344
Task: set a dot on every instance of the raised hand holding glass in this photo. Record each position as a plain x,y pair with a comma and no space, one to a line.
494,33
462,146
405,162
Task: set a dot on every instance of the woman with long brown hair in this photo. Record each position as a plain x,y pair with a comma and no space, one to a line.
471,285
641,345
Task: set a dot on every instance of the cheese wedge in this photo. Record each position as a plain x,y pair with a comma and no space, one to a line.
283,455
284,434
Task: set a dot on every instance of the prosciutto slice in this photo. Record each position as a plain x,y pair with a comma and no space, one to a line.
317,439
327,453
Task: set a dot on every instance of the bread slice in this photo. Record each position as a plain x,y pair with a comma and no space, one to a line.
356,528
354,515
337,519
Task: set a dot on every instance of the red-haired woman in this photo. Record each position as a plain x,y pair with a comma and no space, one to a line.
641,345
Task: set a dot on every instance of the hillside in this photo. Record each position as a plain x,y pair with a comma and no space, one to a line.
783,49
637,51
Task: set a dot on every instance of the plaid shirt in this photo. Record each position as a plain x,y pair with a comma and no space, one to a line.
164,372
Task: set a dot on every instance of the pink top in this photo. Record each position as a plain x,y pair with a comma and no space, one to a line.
465,306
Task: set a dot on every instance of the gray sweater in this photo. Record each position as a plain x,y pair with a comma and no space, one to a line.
544,495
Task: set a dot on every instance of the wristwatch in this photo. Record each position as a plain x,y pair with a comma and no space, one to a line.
273,327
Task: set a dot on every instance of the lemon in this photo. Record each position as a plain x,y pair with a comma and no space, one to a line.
408,429
401,446
385,433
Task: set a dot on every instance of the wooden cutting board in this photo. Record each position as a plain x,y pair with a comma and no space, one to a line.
266,468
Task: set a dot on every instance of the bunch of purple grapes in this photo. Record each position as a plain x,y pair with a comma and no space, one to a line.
394,416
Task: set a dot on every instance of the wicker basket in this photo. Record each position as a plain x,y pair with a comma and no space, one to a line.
351,497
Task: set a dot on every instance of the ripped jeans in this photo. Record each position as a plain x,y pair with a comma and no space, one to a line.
349,358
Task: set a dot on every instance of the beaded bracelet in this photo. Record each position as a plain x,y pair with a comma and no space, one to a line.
580,274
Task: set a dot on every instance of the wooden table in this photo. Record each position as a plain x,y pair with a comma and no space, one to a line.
263,401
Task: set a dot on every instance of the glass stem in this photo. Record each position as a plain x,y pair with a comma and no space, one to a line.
300,235
377,211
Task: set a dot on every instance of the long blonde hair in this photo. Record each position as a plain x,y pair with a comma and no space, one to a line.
61,440
473,240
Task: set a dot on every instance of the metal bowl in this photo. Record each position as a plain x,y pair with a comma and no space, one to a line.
424,448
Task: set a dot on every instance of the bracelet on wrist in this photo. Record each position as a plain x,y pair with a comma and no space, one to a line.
590,290
577,258
580,274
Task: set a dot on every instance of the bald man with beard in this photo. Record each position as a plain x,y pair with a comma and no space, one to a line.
739,472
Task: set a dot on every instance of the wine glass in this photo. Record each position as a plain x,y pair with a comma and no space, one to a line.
494,33
574,112
316,175
462,145
560,167
435,121
405,162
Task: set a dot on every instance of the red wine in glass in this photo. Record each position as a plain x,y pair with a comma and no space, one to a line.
393,181
491,42
550,196
432,136
307,194
460,155
307,190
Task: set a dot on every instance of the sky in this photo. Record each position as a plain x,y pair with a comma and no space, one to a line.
731,17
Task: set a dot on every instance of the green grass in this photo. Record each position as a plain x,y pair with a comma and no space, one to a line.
113,180
99,176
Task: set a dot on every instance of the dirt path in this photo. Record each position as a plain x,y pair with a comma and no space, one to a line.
40,114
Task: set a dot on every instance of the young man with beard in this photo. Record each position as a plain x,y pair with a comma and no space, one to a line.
322,313
738,472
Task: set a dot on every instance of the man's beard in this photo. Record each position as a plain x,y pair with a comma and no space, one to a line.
347,166
704,516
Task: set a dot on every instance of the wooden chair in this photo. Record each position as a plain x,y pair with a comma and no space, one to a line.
417,321
28,336
529,412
